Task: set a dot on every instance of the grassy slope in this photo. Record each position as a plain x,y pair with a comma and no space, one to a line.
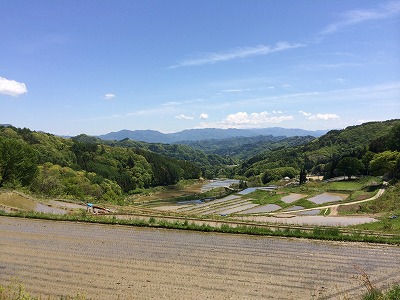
387,206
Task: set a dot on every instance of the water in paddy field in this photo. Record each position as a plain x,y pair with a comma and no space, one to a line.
219,183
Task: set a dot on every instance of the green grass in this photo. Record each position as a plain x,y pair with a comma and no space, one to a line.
305,203
361,195
263,198
345,185
384,225
386,206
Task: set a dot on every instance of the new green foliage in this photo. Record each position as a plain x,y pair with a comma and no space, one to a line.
361,149
17,162
83,167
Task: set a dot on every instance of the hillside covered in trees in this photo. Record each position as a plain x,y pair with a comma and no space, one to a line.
370,148
85,167
76,167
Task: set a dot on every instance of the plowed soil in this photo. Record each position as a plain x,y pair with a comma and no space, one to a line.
116,262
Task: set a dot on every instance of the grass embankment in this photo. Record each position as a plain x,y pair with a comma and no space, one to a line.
388,209
317,232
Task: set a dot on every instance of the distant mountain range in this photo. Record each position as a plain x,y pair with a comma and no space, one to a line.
152,136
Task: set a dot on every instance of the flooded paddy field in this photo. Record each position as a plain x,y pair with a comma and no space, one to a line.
327,197
116,262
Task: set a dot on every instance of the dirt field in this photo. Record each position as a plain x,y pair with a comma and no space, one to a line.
115,262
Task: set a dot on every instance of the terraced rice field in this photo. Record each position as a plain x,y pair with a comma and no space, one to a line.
262,209
115,262
238,204
327,197
292,197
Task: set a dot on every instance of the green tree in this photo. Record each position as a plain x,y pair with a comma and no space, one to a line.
366,159
278,173
386,163
17,162
393,140
349,166
303,176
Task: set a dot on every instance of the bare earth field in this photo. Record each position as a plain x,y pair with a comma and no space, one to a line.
116,262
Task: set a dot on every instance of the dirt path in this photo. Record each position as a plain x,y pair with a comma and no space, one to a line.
116,262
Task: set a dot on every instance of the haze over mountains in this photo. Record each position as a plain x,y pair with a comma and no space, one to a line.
152,136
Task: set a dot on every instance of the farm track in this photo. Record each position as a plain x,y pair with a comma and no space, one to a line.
117,262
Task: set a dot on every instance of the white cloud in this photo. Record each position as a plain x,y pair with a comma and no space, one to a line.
12,87
203,116
245,120
176,103
306,114
341,81
242,52
324,117
109,96
235,90
354,17
183,117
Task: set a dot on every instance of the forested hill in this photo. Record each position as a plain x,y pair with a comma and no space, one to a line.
355,146
83,167
209,163
240,148
152,136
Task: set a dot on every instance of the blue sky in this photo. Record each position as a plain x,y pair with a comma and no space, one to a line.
71,67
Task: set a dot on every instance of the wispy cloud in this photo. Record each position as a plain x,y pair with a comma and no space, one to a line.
354,17
12,87
389,90
109,96
235,90
184,117
246,90
238,53
177,103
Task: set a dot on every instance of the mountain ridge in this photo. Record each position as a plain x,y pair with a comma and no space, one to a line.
153,136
